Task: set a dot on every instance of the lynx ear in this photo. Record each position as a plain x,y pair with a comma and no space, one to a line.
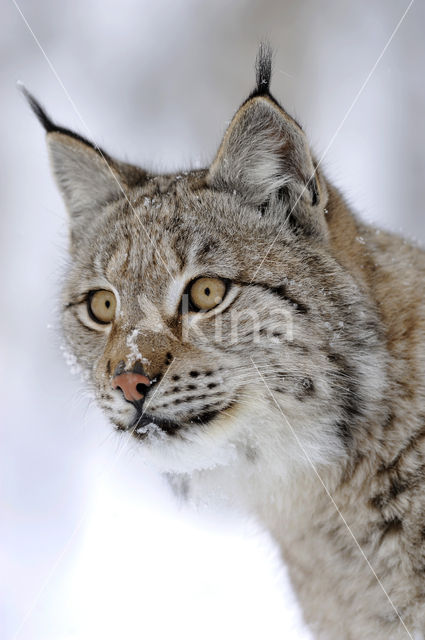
265,158
87,177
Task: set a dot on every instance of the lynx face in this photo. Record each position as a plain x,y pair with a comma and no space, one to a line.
207,309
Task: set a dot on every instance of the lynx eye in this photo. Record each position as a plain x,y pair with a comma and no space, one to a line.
101,306
207,293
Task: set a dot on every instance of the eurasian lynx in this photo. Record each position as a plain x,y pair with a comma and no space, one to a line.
261,342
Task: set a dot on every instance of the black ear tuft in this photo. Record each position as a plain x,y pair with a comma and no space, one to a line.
41,114
263,69
50,126
263,73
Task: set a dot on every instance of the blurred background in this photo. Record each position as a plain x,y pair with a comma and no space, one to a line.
92,544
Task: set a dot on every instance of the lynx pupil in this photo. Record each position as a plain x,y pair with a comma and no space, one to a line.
207,292
101,305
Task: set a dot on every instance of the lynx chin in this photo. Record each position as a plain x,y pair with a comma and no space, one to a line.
261,342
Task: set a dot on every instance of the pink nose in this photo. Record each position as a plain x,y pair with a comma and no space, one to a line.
133,385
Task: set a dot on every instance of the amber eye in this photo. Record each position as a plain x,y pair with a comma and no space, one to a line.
207,293
101,306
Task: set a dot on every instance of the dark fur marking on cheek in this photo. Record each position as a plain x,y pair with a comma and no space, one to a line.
397,487
281,292
306,389
381,500
391,527
108,367
209,406
411,444
278,390
389,420
298,306
343,431
377,502
347,394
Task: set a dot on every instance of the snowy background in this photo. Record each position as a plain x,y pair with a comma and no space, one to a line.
92,545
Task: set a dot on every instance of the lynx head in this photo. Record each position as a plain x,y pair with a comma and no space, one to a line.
206,307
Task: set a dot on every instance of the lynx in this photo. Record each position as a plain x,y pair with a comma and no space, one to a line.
262,344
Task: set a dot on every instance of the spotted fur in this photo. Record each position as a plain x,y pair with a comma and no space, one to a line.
309,374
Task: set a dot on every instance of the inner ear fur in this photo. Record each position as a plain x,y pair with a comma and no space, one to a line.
88,178
265,158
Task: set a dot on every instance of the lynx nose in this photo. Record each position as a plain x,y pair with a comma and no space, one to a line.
133,385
